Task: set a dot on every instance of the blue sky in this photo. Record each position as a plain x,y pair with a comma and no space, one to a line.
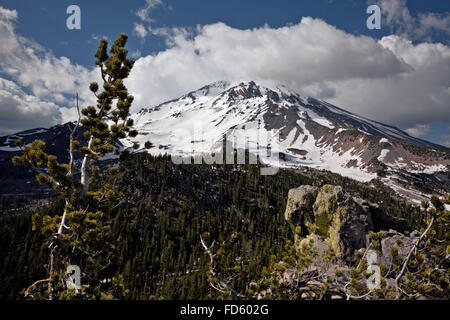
45,20
173,26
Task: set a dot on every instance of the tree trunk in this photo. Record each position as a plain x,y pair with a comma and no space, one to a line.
51,271
85,172
53,252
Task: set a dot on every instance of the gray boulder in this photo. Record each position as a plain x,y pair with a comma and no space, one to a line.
395,247
340,220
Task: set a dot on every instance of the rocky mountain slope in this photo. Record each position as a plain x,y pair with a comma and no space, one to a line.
301,132
305,131
21,180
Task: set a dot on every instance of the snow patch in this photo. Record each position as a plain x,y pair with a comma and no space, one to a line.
383,154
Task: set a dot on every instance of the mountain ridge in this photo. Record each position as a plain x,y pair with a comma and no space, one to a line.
227,85
306,132
311,132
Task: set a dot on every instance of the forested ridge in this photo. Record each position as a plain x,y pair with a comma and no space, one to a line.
156,231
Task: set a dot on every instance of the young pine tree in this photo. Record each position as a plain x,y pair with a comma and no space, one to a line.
81,234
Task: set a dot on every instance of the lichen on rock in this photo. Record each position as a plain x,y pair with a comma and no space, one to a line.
340,220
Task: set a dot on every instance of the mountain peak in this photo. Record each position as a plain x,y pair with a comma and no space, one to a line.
310,132
279,96
307,132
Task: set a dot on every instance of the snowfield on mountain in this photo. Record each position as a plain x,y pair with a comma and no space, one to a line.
305,131
285,129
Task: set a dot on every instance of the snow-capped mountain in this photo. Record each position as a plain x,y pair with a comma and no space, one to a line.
301,131
308,132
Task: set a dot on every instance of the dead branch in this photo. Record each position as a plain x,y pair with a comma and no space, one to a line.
408,257
72,134
212,269
35,284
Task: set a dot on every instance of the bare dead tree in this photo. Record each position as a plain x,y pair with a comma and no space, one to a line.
223,285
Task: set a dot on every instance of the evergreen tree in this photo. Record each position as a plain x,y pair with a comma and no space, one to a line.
249,263
81,234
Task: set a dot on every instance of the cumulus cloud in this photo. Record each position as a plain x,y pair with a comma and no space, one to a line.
8,15
417,97
20,111
49,81
398,17
434,21
391,80
311,54
136,54
32,66
420,130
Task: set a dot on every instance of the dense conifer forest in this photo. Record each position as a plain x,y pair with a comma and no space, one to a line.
156,232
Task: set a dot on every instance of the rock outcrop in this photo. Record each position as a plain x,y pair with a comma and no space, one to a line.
359,249
395,246
337,220
299,204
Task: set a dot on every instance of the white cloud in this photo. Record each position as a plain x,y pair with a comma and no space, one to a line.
391,80
32,66
140,30
308,55
145,12
434,21
8,15
396,13
21,111
144,26
416,97
420,130
398,17
136,54
50,80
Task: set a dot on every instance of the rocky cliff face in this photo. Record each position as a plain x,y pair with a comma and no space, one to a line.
337,221
351,248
